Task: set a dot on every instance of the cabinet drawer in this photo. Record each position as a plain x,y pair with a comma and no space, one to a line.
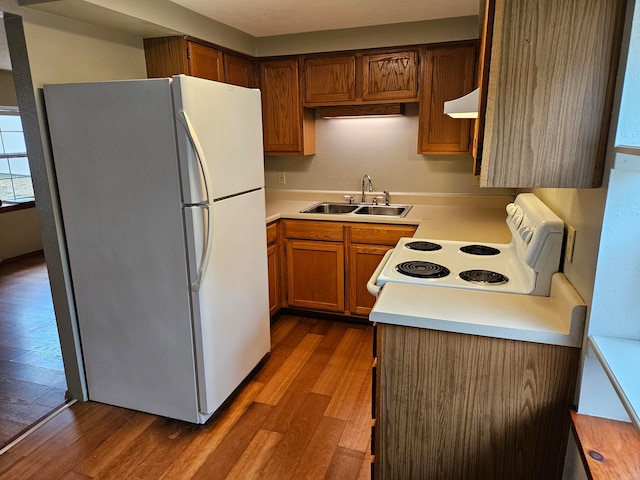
272,233
380,234
330,231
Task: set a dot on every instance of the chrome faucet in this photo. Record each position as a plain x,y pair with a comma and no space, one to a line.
368,178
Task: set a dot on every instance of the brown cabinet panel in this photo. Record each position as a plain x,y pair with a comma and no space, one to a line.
273,263
330,80
166,56
448,73
274,268
238,71
469,407
205,62
549,98
390,76
363,260
315,275
379,234
288,128
310,230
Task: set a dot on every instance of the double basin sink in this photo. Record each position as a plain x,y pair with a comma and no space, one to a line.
330,208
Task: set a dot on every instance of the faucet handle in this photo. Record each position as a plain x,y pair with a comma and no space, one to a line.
375,199
386,196
348,198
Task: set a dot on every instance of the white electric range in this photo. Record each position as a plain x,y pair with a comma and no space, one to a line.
525,265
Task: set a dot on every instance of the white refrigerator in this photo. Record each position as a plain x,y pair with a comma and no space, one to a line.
161,188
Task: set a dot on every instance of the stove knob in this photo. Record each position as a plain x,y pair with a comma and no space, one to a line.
525,233
511,209
516,220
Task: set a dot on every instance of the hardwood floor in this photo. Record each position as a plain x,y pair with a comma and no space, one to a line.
305,414
32,381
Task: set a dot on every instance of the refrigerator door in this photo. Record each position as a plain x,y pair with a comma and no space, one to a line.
227,126
231,307
116,165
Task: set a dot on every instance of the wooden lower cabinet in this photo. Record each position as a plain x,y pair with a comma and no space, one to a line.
315,275
454,406
367,245
329,263
273,265
363,260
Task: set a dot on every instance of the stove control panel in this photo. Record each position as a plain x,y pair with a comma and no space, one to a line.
536,231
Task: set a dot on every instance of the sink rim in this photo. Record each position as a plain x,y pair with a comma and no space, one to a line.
359,208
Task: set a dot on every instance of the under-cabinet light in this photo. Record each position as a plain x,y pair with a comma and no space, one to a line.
352,111
463,107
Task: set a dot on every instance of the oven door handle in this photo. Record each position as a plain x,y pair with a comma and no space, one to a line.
371,284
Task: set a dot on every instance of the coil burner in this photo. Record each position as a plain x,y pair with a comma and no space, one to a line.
484,277
421,269
479,250
423,246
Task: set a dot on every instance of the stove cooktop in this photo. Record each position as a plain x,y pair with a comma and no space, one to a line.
490,267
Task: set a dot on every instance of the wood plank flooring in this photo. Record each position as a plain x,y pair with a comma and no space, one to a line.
32,381
305,414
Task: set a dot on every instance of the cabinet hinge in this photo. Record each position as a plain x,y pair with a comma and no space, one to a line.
188,53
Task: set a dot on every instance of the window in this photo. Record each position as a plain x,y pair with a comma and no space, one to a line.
15,176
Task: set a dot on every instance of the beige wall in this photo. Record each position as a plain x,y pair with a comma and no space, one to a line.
19,233
383,147
7,89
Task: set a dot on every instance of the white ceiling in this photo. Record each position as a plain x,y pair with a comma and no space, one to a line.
263,18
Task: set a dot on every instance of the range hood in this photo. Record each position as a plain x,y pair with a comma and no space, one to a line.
463,107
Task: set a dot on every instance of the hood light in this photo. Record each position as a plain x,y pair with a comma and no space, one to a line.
463,107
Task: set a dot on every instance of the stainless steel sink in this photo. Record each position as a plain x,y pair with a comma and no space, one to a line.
330,208
388,210
358,209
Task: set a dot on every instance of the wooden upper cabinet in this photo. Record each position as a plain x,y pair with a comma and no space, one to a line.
390,76
205,62
362,77
447,73
552,72
288,128
167,56
239,70
330,80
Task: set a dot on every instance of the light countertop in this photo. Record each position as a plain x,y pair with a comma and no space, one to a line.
479,218
557,319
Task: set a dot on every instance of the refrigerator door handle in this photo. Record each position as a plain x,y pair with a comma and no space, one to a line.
207,242
199,154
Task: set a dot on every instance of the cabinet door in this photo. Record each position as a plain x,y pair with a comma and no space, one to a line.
315,275
287,127
363,261
448,73
238,70
273,264
390,77
166,56
550,93
330,80
205,62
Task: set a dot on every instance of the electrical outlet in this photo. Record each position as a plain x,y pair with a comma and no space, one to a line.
282,178
571,240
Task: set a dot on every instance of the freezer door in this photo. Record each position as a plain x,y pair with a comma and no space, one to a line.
231,307
226,129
